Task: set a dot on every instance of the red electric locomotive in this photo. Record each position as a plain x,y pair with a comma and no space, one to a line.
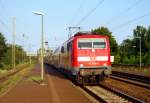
84,57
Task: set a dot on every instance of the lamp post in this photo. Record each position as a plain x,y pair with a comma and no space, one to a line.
13,44
140,51
23,59
139,37
42,46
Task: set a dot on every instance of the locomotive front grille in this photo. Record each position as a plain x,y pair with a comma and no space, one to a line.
91,71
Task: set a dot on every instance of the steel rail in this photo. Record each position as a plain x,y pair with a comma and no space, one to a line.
6,76
135,77
121,94
143,85
93,95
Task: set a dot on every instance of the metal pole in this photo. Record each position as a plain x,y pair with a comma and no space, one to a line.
79,28
29,54
140,53
42,47
23,49
13,45
30,58
70,28
12,53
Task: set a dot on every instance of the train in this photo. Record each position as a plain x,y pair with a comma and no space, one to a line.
84,57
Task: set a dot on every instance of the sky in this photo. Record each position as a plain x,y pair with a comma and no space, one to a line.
119,16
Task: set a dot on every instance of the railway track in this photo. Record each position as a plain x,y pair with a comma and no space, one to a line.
107,94
8,75
143,85
121,94
104,94
5,77
131,76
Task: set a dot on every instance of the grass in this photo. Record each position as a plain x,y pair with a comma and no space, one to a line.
2,72
8,83
4,86
7,70
36,78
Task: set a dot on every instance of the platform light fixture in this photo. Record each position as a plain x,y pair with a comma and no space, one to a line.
42,45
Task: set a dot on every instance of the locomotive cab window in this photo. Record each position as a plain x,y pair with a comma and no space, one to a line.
99,43
84,43
88,43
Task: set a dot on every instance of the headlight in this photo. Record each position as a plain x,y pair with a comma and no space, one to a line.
105,64
81,65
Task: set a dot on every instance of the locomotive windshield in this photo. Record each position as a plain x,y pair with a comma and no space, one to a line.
88,43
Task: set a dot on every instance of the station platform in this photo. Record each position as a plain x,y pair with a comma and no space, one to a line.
57,89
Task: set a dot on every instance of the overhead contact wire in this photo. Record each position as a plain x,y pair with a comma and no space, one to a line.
133,20
77,11
123,12
86,16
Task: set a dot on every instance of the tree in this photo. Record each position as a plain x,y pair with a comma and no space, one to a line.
131,55
3,46
140,31
7,59
20,54
147,39
113,44
6,54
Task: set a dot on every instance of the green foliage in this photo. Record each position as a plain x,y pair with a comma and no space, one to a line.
3,47
6,54
113,44
132,59
140,31
126,60
146,59
147,39
7,59
130,48
117,58
128,52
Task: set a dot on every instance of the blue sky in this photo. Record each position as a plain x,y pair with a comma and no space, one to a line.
60,14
